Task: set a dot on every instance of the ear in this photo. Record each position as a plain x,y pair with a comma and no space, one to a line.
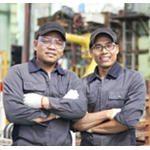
117,49
35,44
91,52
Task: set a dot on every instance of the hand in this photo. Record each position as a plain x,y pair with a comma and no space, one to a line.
50,117
114,112
72,94
53,116
33,100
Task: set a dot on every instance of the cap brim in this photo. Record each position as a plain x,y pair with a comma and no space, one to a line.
102,32
50,30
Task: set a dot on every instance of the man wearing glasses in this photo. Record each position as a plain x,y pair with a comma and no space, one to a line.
116,96
42,99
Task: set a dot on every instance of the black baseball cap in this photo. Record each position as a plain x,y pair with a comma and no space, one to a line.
103,31
50,26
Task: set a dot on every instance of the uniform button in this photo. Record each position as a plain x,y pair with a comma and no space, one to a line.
34,87
119,96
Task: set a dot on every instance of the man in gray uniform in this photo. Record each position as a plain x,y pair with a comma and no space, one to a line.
110,86
40,98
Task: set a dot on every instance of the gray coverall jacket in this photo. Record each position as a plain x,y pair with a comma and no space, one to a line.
31,78
121,88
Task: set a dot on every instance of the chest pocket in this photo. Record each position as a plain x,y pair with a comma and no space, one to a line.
116,99
62,89
30,87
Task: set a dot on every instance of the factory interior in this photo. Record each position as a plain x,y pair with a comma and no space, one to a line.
130,22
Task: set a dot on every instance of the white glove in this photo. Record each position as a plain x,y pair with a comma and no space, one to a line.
114,112
33,100
72,94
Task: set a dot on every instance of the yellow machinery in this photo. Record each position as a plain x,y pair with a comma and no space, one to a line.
3,66
83,40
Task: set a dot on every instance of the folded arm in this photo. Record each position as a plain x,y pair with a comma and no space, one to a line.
15,109
72,106
110,127
50,117
91,120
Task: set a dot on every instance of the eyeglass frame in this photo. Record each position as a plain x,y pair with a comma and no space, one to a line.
93,48
51,42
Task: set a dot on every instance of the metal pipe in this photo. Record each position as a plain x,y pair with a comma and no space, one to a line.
26,43
5,59
77,39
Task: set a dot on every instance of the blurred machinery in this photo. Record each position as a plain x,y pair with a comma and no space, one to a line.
135,23
82,68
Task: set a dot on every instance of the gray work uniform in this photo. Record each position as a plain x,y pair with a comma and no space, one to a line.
31,78
121,88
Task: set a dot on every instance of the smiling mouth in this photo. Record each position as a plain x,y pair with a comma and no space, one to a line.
105,59
50,54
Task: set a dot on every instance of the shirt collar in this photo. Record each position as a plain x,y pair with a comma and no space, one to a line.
94,75
59,69
113,72
34,67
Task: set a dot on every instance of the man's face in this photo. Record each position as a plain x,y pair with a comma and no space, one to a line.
49,48
107,56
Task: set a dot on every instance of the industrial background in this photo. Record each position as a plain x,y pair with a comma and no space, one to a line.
130,21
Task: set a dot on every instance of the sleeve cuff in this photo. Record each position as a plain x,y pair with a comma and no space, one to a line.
54,102
121,120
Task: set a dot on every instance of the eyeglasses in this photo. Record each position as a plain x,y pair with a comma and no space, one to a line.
48,41
108,47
